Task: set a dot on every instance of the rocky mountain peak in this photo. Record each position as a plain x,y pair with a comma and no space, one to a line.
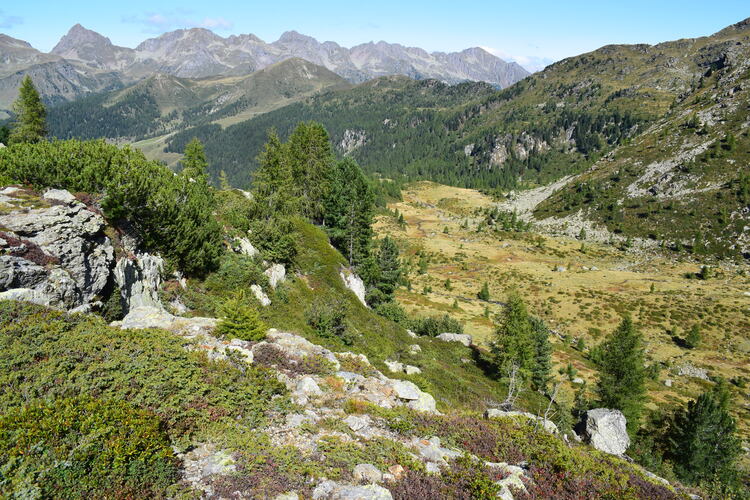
77,37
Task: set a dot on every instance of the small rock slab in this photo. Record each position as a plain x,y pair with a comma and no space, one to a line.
463,338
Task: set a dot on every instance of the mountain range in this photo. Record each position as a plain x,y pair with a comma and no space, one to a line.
85,62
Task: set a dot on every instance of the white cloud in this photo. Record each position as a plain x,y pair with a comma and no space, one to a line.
531,63
8,22
159,22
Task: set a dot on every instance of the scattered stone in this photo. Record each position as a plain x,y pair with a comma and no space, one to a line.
356,423
308,387
394,366
367,473
689,370
260,295
605,430
411,334
560,269
397,471
276,275
578,381
668,382
412,370
202,463
414,349
463,338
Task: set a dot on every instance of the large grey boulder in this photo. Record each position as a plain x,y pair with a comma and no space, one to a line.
69,236
605,430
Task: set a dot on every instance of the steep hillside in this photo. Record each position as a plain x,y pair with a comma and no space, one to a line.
685,182
162,104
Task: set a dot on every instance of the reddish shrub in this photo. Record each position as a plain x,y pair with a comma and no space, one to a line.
28,250
265,480
271,356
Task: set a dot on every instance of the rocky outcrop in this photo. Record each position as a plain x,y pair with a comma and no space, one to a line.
139,279
605,430
55,254
354,283
244,247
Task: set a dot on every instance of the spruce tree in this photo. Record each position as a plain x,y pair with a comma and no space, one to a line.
622,372
240,321
349,208
513,341
484,293
702,439
382,273
540,370
30,125
312,165
194,163
693,337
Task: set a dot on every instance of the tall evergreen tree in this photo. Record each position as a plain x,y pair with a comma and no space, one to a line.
274,193
349,209
312,165
382,273
702,439
194,163
513,341
30,124
542,366
622,372
4,134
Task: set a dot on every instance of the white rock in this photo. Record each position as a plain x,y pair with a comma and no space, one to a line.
276,275
354,283
415,348
605,430
260,295
668,382
578,380
290,495
463,338
59,195
688,370
406,390
394,366
244,247
412,370
308,387
357,423
411,334
425,403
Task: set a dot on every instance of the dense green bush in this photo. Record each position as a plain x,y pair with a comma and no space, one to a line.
171,214
328,319
433,326
46,354
240,321
78,448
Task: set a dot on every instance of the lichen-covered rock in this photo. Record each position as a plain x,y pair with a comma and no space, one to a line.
406,390
367,473
463,338
605,430
69,237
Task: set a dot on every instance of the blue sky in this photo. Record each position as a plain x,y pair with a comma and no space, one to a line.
531,32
